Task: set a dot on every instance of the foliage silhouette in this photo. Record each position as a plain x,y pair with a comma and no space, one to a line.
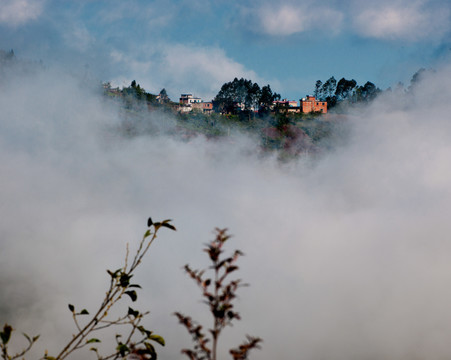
219,294
138,341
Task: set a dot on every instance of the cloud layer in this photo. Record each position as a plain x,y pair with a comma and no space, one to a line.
386,20
284,19
19,12
412,21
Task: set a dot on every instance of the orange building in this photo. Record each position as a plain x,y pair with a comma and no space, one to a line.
207,107
310,104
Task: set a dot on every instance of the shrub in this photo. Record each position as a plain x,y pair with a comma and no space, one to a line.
219,293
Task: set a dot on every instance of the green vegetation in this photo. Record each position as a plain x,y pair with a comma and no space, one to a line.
344,91
135,93
137,340
243,95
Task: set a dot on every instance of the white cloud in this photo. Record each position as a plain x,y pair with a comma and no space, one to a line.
18,12
288,18
181,68
132,64
285,20
155,14
78,37
202,68
398,19
403,20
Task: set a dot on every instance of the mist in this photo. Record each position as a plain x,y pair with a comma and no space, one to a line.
347,254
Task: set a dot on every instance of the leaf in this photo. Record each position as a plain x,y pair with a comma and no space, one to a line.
151,350
132,312
93,340
149,222
147,234
132,294
5,335
169,226
157,338
122,348
84,312
231,268
134,286
47,357
144,330
27,337
31,340
114,274
125,280
71,307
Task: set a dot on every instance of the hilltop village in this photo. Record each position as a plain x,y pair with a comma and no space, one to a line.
233,105
308,126
243,96
309,104
289,127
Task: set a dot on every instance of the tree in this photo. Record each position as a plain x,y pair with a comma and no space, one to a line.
328,88
367,92
334,92
163,97
219,295
418,77
267,98
138,340
252,100
243,95
238,95
318,94
344,89
224,99
328,92
233,95
134,90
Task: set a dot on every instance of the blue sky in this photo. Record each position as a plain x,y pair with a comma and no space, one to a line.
195,46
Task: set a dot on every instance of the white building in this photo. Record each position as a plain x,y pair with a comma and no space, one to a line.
187,99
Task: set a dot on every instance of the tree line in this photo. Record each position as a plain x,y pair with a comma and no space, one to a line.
244,95
344,90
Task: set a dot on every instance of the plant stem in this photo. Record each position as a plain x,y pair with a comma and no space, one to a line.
216,321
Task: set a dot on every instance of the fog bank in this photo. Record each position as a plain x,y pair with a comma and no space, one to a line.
346,255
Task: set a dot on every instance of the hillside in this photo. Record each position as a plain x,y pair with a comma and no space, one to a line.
290,133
